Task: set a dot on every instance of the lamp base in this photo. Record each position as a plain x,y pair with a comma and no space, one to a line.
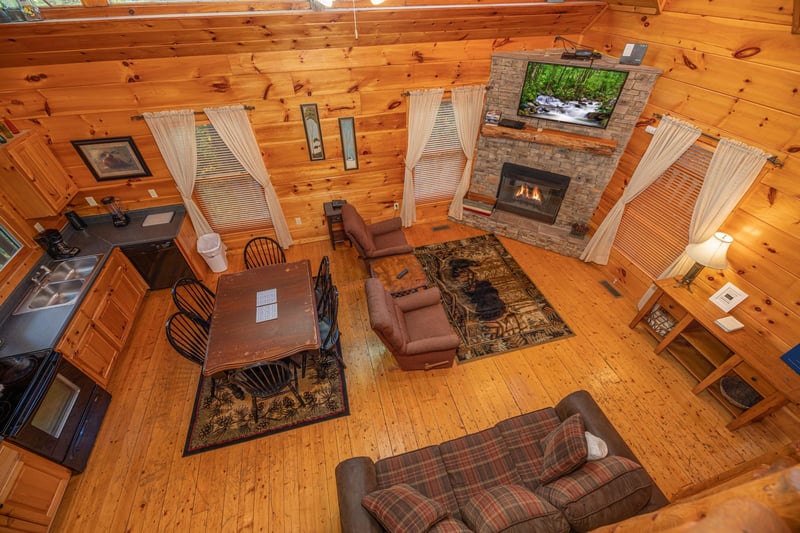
688,278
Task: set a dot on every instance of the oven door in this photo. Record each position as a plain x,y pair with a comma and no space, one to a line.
59,413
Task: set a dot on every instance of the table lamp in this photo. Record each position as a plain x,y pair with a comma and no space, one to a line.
710,253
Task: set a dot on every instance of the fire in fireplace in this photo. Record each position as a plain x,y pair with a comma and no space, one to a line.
531,192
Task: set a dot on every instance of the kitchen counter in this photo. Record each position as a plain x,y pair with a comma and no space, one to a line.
41,329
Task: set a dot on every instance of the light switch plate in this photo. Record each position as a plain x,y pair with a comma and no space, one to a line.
90,201
38,227
152,193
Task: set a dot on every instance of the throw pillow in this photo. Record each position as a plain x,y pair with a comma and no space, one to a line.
402,509
564,449
506,506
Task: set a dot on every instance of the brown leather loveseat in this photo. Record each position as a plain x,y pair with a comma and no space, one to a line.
527,473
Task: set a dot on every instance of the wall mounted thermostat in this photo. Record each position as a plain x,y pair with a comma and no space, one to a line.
633,54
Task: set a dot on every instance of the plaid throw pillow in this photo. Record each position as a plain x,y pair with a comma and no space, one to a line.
564,449
402,509
505,506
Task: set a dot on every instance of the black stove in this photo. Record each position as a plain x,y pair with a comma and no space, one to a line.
23,380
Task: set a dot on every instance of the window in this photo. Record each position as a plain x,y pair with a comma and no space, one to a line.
9,247
230,199
655,225
439,170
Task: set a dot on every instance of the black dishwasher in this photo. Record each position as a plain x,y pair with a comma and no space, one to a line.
160,263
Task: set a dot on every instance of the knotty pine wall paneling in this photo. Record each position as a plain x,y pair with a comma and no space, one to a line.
731,69
97,100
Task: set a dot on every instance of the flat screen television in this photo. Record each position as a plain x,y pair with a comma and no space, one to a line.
575,95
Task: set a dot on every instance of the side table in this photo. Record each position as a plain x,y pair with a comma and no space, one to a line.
387,268
333,217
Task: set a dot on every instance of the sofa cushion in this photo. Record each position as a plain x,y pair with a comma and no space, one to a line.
424,470
450,525
476,462
504,507
521,435
383,314
564,449
600,492
402,509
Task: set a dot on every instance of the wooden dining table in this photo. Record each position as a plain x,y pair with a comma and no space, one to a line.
237,340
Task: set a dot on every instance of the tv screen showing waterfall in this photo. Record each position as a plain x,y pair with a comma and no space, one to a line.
565,93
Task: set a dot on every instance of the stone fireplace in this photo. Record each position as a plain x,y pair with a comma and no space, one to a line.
530,192
578,161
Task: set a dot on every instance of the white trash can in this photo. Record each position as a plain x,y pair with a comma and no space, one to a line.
211,247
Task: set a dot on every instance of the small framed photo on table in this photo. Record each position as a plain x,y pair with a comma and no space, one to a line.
112,159
728,297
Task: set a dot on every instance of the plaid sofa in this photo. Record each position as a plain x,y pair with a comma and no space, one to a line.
527,473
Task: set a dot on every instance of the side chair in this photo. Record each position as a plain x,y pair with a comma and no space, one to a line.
266,380
322,282
262,251
193,297
188,335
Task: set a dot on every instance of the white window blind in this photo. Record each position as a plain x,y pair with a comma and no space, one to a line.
230,199
439,169
655,225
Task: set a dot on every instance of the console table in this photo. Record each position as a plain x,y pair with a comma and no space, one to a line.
683,323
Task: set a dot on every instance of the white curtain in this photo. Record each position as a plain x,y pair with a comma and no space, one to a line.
672,138
467,108
733,169
233,127
422,109
175,137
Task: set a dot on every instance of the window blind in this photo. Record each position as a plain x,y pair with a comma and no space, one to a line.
655,225
439,170
229,197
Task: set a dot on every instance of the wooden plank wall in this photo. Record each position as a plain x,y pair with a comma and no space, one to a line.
731,69
97,100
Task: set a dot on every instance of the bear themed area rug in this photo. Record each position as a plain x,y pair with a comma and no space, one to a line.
491,303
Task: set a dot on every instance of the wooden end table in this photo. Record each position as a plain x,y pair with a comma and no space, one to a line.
333,217
386,269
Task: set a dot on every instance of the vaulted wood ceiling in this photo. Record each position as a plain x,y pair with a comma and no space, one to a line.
72,35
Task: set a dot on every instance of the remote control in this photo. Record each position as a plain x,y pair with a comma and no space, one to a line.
402,273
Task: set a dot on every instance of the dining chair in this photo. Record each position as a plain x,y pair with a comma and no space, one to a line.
265,380
192,296
262,251
322,282
327,322
188,335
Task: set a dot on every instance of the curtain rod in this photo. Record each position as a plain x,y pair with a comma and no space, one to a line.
771,159
141,117
445,90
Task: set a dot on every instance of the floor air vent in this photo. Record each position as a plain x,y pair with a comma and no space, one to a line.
611,289
440,228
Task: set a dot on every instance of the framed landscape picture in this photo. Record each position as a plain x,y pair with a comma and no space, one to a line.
347,131
316,151
112,159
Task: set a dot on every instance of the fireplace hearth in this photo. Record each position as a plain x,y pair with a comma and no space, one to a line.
530,192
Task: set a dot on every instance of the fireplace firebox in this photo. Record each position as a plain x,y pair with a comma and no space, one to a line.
530,192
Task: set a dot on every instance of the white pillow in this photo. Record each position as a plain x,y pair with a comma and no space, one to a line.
597,447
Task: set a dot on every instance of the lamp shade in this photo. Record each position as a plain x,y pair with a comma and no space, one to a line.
711,253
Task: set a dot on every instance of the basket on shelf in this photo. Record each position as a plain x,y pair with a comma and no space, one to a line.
660,320
738,392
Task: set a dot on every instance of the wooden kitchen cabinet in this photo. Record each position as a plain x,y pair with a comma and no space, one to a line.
33,179
31,488
101,326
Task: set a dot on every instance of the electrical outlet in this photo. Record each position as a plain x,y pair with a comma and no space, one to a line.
39,227
90,201
650,129
153,193
396,206
298,221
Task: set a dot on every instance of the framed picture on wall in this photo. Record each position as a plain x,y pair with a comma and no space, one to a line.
316,150
347,131
112,159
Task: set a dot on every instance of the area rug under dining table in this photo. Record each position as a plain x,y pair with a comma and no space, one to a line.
491,303
226,418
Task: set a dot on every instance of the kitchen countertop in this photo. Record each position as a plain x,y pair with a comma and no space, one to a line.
41,329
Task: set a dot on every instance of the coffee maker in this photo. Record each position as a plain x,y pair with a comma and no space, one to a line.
53,242
118,215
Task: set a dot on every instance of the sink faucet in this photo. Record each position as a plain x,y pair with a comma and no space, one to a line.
41,275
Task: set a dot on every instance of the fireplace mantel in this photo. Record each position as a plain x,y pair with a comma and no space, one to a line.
571,141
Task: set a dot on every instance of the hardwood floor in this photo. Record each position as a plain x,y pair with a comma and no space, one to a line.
137,480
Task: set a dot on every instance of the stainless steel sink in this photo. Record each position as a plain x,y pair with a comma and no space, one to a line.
75,268
60,284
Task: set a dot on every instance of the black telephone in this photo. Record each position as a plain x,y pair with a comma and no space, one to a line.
338,203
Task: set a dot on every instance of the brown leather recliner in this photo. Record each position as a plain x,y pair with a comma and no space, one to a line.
374,240
413,327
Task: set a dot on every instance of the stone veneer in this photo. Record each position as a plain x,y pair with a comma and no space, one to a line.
590,173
